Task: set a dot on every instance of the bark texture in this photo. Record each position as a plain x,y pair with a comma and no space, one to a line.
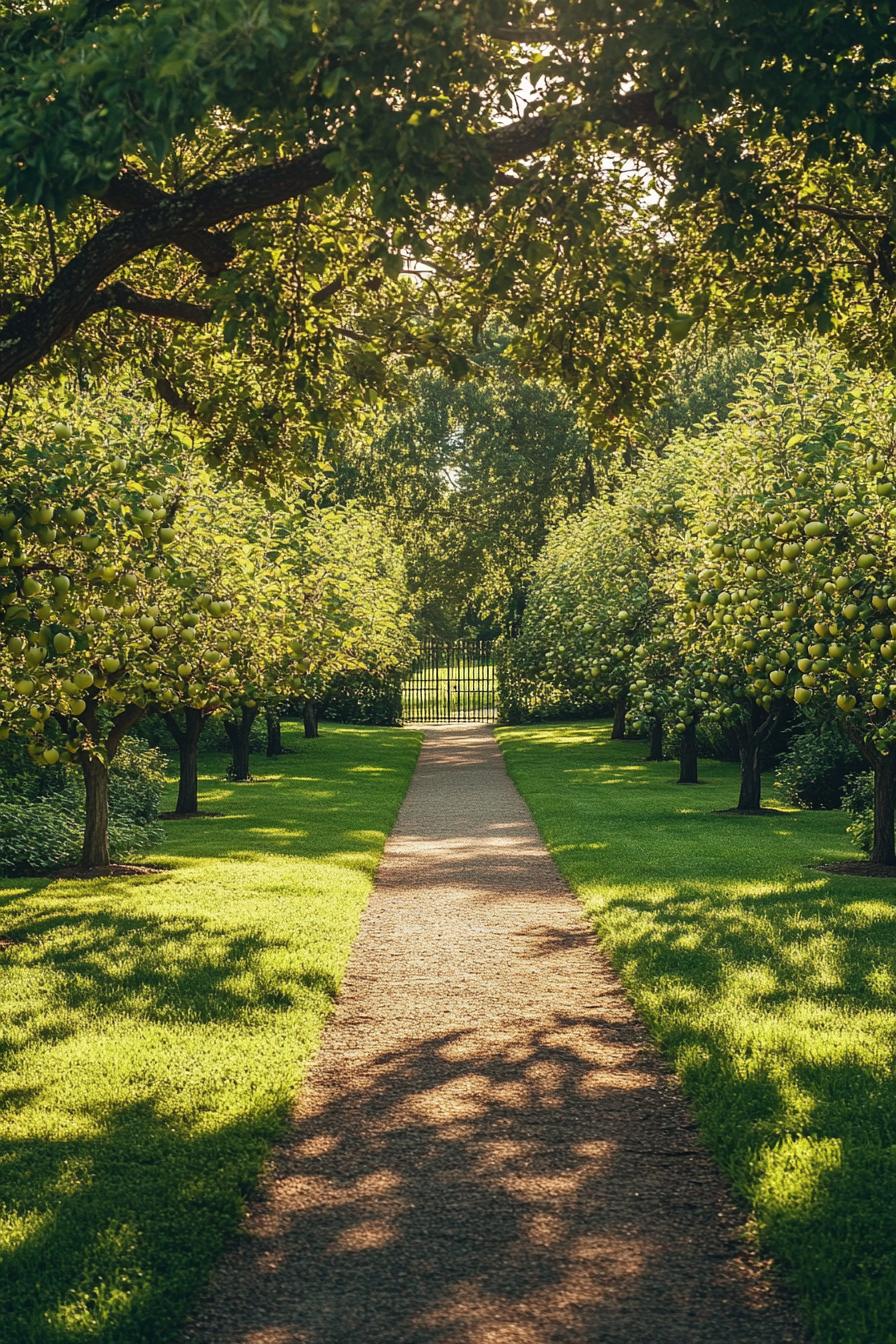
620,709
274,736
750,796
655,752
687,756
883,848
95,849
751,735
238,733
187,739
309,718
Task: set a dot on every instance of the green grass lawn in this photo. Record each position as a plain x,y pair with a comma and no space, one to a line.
154,1030
771,986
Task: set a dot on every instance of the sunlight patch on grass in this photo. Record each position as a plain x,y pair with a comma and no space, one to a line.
768,984
155,1029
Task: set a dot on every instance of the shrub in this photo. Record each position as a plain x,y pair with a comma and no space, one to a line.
815,769
136,781
36,835
364,697
858,800
42,810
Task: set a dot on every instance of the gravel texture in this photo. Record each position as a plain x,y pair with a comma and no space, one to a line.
488,1149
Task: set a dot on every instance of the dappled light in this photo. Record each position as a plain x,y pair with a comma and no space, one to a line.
448,363
155,1029
487,1148
754,971
499,1188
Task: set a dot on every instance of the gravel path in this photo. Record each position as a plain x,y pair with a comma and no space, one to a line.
487,1150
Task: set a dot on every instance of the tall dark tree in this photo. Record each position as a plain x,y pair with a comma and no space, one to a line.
472,475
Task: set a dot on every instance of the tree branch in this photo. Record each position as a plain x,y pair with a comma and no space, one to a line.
71,298
841,213
174,728
119,295
177,400
121,724
129,192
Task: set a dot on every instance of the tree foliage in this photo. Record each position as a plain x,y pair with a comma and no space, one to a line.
470,478
326,194
134,580
773,581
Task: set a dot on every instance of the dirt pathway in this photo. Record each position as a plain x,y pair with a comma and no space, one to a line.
487,1150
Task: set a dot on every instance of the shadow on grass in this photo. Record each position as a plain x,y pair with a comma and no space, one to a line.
159,1025
166,969
770,986
546,1186
108,1246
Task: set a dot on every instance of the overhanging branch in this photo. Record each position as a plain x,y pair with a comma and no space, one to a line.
119,295
129,192
157,219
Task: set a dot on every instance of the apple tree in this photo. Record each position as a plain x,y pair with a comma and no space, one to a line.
96,623
219,571
801,566
792,584
348,607
595,602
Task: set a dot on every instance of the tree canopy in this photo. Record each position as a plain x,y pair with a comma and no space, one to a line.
321,186
470,477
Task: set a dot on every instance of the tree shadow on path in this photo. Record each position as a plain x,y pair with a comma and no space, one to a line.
551,1189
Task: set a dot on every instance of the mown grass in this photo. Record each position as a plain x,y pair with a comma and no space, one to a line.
770,985
155,1029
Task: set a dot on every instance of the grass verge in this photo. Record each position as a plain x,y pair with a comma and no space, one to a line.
771,986
155,1029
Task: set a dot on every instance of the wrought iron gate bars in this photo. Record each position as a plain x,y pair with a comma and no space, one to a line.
451,682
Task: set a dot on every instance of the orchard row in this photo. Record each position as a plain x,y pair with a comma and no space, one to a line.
751,565
135,580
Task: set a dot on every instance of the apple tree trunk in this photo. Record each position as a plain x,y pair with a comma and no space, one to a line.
239,732
619,712
95,849
883,846
751,735
750,797
687,756
187,739
309,718
274,736
656,740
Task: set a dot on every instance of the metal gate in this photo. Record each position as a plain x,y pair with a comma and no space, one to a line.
451,683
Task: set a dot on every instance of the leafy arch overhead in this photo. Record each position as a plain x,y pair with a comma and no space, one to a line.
143,147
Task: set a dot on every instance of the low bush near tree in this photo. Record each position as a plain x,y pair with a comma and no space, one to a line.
818,766
42,811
